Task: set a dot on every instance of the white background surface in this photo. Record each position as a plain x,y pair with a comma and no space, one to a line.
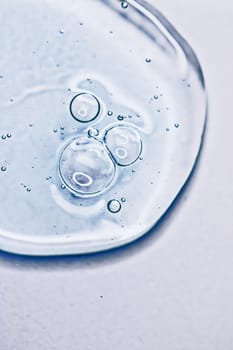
170,291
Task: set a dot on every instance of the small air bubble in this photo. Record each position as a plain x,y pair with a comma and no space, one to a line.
61,31
93,132
3,137
148,60
177,125
114,206
123,199
120,117
3,168
124,4
110,113
28,189
84,107
8,135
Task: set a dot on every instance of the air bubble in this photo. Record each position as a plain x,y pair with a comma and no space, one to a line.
3,168
124,4
84,107
148,60
124,143
93,132
85,167
114,206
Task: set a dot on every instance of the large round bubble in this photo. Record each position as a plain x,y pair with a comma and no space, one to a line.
124,143
85,167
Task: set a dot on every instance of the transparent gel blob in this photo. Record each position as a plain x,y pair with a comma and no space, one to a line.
101,123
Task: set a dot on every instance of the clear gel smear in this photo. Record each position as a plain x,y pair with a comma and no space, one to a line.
102,113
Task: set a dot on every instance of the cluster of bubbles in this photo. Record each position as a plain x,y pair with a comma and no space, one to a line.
7,136
87,164
28,189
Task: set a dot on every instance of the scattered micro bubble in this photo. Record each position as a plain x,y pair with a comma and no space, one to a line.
3,168
8,135
63,187
124,4
120,117
110,113
123,199
177,125
167,129
124,143
93,132
156,97
84,107
29,189
148,60
114,206
86,167
61,31
11,100
55,131
4,137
